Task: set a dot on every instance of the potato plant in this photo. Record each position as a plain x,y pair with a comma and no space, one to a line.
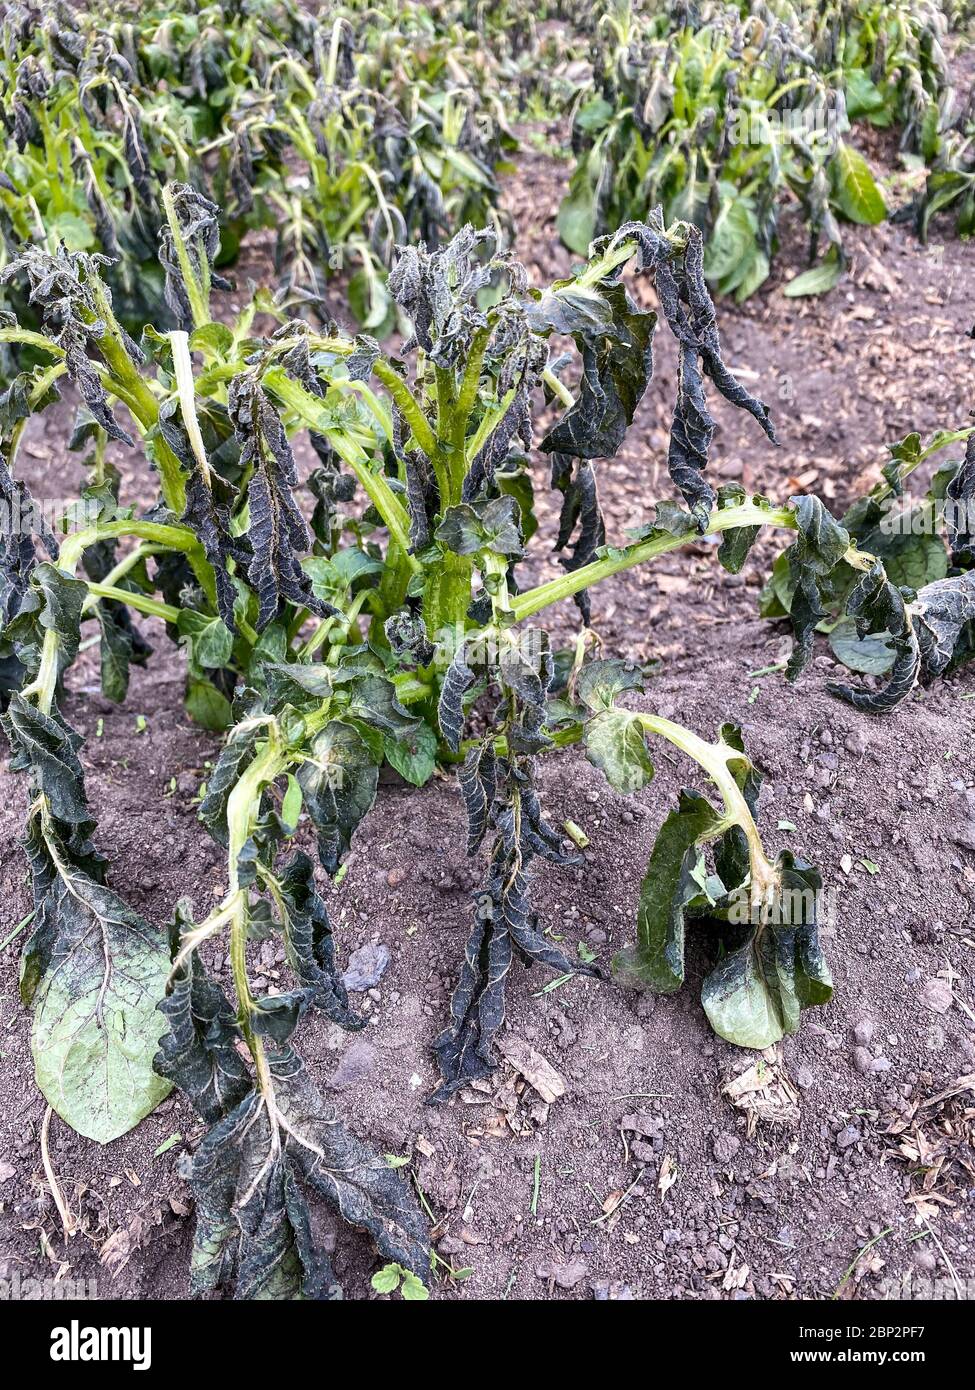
369,611
727,114
344,136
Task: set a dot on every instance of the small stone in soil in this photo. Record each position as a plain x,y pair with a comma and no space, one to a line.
936,996
848,1136
567,1276
725,1147
863,1031
355,1066
366,966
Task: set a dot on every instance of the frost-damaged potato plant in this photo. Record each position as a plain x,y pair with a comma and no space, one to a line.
391,628
342,137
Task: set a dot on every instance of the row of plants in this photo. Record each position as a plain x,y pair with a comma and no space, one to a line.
729,114
371,613
343,135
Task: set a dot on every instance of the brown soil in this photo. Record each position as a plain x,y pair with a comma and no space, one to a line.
644,1179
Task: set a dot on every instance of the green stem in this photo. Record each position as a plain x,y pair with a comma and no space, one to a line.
715,759
143,603
31,339
661,543
312,413
124,566
131,388
409,407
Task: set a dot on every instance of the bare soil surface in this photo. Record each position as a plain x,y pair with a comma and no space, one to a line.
646,1178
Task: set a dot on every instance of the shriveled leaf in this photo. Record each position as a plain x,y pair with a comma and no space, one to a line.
251,1175
309,944
338,783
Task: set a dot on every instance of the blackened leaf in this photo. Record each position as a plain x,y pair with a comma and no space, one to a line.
503,923
450,710
47,747
248,1176
358,1183
372,698
688,309
199,1052
580,508
477,1006
252,1225
736,543
51,604
406,634
877,606
309,946
276,1016
119,649
478,783
489,524
278,532
615,339
233,759
439,289
670,884
960,511
210,521
198,232
941,613
819,547
338,784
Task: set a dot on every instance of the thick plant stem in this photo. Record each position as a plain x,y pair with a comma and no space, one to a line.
715,759
138,397
142,603
43,686
661,543
159,534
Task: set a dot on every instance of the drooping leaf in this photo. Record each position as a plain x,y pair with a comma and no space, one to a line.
309,945
941,613
199,1052
94,972
617,745
278,532
615,339
876,605
855,189
669,886
600,682
457,681
250,1176
754,995
338,783
819,547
